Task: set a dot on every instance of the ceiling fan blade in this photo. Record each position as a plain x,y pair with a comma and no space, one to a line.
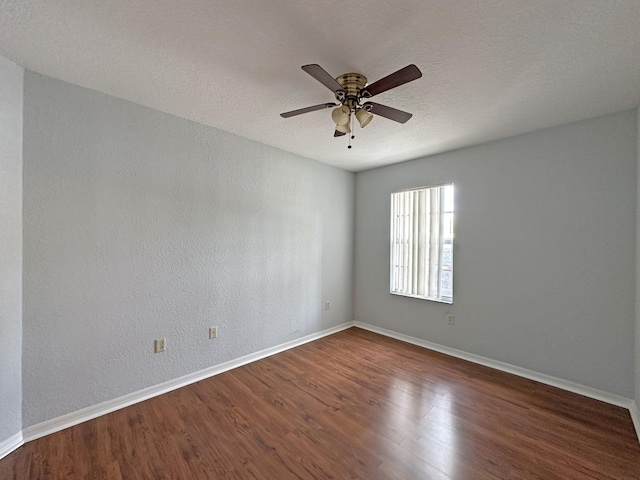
388,112
402,76
320,74
300,111
338,134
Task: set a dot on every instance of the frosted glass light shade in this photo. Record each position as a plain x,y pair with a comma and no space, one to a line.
340,115
343,128
363,117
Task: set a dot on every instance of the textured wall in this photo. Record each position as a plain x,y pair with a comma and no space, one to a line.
544,252
11,77
637,362
139,225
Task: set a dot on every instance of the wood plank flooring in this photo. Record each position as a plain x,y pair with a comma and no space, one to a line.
354,405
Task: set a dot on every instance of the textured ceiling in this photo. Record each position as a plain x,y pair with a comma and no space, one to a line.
491,68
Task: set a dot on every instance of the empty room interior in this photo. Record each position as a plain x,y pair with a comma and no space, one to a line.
301,239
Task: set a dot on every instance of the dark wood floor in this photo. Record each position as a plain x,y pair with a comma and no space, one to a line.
354,405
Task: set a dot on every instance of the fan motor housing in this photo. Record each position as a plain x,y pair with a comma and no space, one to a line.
352,83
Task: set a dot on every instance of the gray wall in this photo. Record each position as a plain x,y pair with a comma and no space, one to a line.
637,362
139,225
544,253
11,77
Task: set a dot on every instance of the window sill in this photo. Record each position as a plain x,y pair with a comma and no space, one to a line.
446,300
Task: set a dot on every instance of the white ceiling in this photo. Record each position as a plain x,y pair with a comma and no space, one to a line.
491,68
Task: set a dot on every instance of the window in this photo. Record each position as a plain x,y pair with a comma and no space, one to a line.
422,243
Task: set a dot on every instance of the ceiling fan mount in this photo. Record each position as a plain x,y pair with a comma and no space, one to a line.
350,89
352,84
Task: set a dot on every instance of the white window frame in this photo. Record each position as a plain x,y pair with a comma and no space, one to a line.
421,245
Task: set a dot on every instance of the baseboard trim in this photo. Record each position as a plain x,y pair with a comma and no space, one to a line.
74,418
10,444
601,395
635,417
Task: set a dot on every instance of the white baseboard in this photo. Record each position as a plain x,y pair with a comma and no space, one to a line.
601,395
635,417
89,413
94,411
10,444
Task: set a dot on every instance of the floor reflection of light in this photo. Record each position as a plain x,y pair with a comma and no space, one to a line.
448,435
434,437
399,396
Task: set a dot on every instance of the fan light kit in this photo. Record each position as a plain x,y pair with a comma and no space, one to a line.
350,89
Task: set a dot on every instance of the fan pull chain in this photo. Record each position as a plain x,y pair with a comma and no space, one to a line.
352,136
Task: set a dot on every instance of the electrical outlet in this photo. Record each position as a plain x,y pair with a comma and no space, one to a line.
451,319
160,345
327,304
213,332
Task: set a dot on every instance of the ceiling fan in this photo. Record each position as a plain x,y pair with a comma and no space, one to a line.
350,90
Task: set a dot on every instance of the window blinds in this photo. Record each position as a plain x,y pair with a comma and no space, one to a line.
421,242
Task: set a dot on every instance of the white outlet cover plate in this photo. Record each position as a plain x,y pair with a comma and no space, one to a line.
159,345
